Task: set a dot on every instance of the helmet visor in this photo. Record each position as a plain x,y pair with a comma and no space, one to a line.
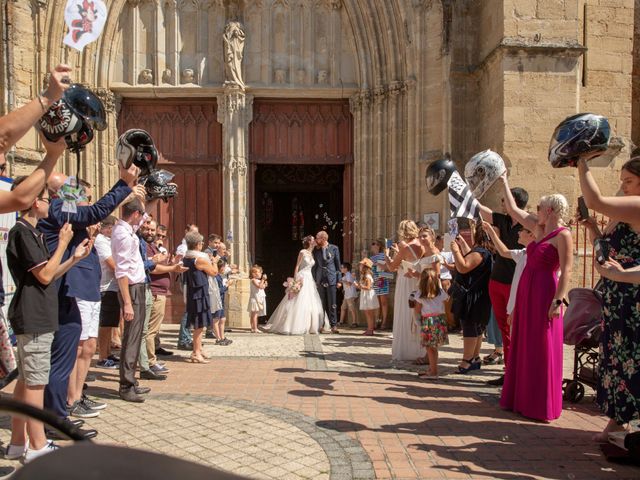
87,105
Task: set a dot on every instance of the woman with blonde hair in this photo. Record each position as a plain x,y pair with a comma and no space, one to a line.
533,379
406,340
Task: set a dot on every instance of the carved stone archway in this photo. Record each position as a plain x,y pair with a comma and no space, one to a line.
389,140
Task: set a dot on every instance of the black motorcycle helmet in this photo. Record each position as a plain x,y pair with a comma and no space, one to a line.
438,174
74,117
577,135
136,147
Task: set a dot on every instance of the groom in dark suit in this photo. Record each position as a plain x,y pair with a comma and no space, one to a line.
326,273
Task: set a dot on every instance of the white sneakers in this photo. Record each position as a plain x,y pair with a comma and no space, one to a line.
15,452
31,454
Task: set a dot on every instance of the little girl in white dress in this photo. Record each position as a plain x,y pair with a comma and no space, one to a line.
257,296
368,299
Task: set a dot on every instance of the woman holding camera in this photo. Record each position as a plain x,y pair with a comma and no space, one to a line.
533,379
619,375
406,343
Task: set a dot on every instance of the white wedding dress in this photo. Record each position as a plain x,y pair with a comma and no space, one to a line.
303,313
406,344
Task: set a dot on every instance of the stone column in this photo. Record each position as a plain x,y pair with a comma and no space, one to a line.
235,111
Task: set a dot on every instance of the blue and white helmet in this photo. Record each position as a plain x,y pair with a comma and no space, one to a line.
482,170
581,134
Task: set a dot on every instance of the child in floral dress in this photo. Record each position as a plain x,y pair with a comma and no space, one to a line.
429,306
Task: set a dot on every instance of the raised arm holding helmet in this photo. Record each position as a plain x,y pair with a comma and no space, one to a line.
15,125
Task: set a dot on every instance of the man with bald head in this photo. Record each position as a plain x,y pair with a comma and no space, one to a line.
326,273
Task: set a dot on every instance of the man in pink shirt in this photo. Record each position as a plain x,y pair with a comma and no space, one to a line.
129,272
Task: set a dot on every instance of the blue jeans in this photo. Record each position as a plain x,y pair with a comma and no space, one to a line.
184,337
494,336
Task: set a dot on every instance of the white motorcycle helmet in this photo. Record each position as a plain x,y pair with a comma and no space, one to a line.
482,170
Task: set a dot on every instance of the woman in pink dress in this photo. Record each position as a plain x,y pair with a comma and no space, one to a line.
533,379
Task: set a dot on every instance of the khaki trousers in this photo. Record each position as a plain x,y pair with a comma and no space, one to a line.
155,322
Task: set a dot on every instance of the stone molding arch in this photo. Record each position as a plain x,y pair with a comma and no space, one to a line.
383,102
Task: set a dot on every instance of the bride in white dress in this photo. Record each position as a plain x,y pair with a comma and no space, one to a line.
302,313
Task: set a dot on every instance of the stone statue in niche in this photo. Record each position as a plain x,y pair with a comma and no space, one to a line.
280,76
146,76
167,76
301,76
188,76
233,38
323,77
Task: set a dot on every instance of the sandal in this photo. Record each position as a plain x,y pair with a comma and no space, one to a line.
464,370
421,361
496,358
368,333
427,374
354,325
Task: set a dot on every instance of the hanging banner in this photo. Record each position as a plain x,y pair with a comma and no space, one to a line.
85,20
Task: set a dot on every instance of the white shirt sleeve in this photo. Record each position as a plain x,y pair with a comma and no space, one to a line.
516,255
103,247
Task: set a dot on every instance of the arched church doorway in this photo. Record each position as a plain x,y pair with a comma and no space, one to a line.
301,156
293,201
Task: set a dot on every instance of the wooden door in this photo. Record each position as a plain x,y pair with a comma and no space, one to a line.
303,132
189,140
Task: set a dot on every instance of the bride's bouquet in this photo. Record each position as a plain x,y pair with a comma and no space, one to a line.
292,287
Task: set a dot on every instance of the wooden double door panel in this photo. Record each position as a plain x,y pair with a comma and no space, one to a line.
189,140
282,132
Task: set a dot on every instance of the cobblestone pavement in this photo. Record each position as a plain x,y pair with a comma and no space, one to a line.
334,407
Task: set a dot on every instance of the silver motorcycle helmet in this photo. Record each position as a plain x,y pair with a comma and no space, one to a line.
482,170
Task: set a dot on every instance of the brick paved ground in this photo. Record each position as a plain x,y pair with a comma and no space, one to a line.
334,407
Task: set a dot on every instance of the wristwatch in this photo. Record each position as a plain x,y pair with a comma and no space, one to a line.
557,302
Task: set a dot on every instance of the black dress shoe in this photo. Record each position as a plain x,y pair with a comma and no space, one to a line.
86,433
141,390
130,395
149,375
497,382
77,422
165,353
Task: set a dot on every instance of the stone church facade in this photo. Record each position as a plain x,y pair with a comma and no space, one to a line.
282,117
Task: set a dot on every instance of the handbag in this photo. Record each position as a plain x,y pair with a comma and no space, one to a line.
583,315
460,295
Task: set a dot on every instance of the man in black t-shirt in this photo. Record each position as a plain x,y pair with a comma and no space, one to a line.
32,314
503,268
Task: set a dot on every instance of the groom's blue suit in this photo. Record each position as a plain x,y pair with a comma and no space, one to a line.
326,273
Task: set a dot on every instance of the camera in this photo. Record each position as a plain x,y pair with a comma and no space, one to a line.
601,248
412,300
583,211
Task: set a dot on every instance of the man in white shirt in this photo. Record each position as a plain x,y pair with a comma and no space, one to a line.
109,304
130,274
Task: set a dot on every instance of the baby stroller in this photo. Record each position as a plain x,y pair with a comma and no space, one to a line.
582,329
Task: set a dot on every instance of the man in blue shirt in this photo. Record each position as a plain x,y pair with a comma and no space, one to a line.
82,281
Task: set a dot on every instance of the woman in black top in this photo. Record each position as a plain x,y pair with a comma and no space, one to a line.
470,293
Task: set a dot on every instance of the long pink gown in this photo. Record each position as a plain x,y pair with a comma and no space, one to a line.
533,380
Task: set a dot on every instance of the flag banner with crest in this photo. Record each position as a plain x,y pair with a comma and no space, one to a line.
461,201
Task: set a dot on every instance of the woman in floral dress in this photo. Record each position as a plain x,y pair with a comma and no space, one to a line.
619,371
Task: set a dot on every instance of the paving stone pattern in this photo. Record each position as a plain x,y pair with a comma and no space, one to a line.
335,407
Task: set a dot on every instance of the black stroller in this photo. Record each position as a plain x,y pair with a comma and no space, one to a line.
582,329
